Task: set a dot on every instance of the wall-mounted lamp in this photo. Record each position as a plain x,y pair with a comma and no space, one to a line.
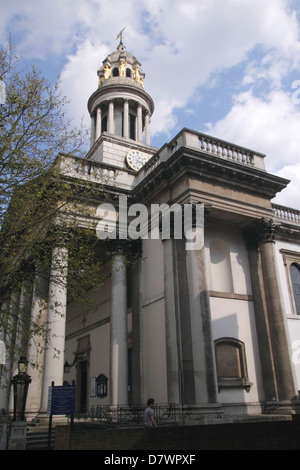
22,365
67,366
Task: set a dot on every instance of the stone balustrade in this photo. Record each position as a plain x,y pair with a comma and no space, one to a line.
209,145
286,214
95,172
151,164
223,149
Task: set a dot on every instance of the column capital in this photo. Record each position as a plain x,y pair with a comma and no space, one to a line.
268,230
263,230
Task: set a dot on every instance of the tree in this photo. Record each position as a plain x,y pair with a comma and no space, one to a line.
33,124
39,204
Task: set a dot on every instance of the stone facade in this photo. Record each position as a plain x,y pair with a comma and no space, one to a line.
213,330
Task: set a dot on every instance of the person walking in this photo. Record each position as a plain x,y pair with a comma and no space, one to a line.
149,414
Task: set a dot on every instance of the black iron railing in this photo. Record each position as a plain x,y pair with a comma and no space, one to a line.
125,415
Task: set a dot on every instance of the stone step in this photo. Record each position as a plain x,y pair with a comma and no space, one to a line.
37,439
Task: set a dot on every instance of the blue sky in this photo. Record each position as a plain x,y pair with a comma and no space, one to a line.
223,67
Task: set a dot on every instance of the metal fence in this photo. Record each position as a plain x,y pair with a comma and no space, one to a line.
108,415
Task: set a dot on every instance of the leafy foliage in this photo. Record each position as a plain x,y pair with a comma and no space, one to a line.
39,205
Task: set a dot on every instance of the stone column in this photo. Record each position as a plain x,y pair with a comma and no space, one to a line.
139,124
147,129
24,317
185,349
110,123
118,333
174,372
200,317
261,319
36,346
279,340
5,370
92,138
12,341
98,122
56,322
126,119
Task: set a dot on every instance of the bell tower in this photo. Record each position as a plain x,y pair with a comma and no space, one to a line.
120,111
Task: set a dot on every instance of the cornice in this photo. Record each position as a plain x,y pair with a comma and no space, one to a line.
197,164
120,86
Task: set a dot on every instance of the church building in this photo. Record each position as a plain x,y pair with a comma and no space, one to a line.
207,319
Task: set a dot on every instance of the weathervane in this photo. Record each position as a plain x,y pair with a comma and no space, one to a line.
120,35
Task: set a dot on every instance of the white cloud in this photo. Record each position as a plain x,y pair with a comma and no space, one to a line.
269,126
182,46
79,78
42,28
290,196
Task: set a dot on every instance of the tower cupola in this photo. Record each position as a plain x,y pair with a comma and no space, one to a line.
120,106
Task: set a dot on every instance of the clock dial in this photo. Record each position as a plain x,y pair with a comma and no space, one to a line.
136,159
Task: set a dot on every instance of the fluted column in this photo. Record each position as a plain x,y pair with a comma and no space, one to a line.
111,117
126,119
56,322
118,333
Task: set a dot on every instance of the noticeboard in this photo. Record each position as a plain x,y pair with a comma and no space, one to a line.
61,400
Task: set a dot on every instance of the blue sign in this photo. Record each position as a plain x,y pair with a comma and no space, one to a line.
61,400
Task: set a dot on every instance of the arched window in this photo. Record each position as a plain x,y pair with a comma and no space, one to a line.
231,363
115,72
128,73
220,266
295,278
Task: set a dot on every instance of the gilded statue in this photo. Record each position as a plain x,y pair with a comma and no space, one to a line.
137,75
107,71
122,67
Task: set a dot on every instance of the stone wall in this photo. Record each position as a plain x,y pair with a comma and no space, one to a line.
272,435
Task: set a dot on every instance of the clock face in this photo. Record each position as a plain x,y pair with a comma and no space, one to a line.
136,159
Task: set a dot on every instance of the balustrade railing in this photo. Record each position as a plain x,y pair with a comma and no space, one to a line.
286,214
151,164
87,169
226,150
